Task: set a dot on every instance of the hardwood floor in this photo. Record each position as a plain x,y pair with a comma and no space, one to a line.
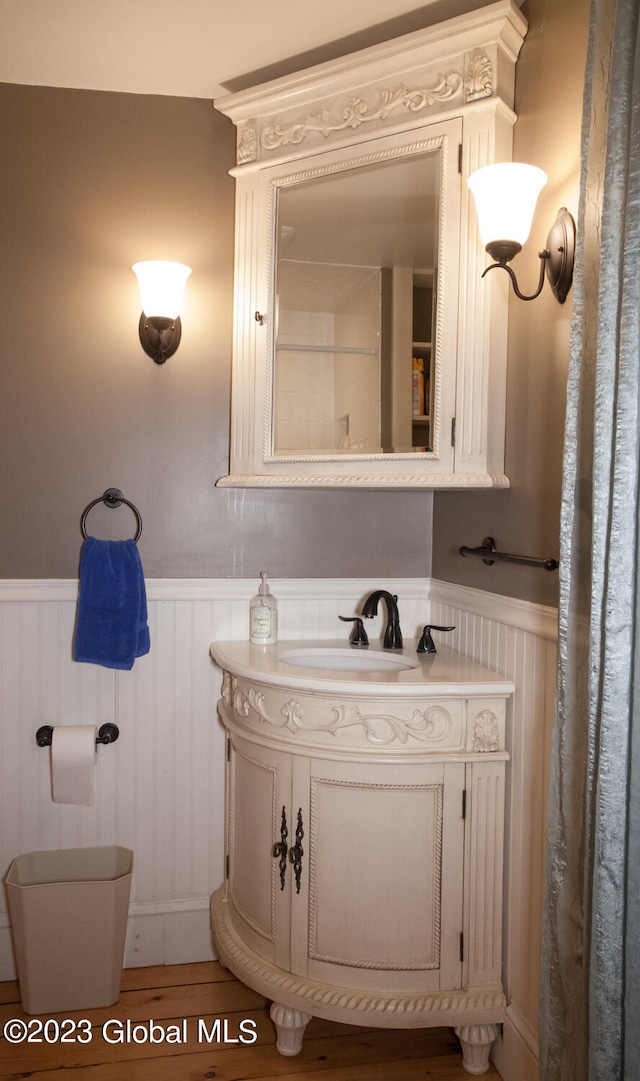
184,1001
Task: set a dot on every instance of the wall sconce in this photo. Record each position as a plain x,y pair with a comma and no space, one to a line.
506,197
161,290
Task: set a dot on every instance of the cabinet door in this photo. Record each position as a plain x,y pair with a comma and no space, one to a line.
383,892
259,786
307,407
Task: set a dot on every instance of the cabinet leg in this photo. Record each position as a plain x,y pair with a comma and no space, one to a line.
290,1025
476,1043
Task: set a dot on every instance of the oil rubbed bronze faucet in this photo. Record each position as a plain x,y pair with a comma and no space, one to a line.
392,634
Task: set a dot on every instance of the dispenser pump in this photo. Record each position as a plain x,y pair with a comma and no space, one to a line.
263,615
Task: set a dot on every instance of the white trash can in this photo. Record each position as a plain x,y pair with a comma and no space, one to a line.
69,911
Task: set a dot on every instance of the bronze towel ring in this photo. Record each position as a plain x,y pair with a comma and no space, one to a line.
113,497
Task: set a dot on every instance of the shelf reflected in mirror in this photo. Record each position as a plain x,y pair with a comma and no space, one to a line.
355,275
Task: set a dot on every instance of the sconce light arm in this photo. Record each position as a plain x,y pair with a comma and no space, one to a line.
556,260
543,256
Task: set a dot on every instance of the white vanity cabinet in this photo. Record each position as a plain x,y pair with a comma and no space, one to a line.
364,843
349,176
394,835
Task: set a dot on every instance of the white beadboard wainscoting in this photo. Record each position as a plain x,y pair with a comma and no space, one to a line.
159,789
518,640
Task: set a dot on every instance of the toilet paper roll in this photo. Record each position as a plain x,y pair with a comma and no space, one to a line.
73,761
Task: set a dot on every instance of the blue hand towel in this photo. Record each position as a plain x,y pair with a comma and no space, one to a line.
111,626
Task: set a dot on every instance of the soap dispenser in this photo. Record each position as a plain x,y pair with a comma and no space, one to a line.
263,616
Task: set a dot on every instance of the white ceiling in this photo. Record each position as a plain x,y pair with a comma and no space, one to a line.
192,48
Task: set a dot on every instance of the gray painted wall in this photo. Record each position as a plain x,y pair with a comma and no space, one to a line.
525,518
90,183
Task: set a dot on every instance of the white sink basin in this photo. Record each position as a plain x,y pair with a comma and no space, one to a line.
333,666
347,660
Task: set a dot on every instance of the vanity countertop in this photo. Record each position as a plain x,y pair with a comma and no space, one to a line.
447,673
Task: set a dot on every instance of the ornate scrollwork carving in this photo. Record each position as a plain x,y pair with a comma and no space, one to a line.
479,81
432,725
247,148
357,111
486,732
226,687
243,701
293,714
428,726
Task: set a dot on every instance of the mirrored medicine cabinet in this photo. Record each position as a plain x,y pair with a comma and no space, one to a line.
368,351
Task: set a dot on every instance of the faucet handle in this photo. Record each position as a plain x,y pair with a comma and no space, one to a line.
426,643
358,636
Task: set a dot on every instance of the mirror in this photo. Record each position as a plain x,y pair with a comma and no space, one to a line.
356,302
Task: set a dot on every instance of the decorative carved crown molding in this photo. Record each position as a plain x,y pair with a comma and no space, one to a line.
357,111
477,84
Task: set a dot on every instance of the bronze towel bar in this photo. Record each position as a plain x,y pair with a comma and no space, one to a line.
487,551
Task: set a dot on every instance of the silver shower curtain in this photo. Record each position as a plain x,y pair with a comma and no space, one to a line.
590,995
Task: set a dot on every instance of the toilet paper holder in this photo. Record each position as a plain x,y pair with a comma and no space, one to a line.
107,733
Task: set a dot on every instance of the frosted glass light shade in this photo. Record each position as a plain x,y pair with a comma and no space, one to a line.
161,287
506,197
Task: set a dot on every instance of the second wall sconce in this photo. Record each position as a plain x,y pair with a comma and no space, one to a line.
505,197
161,291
